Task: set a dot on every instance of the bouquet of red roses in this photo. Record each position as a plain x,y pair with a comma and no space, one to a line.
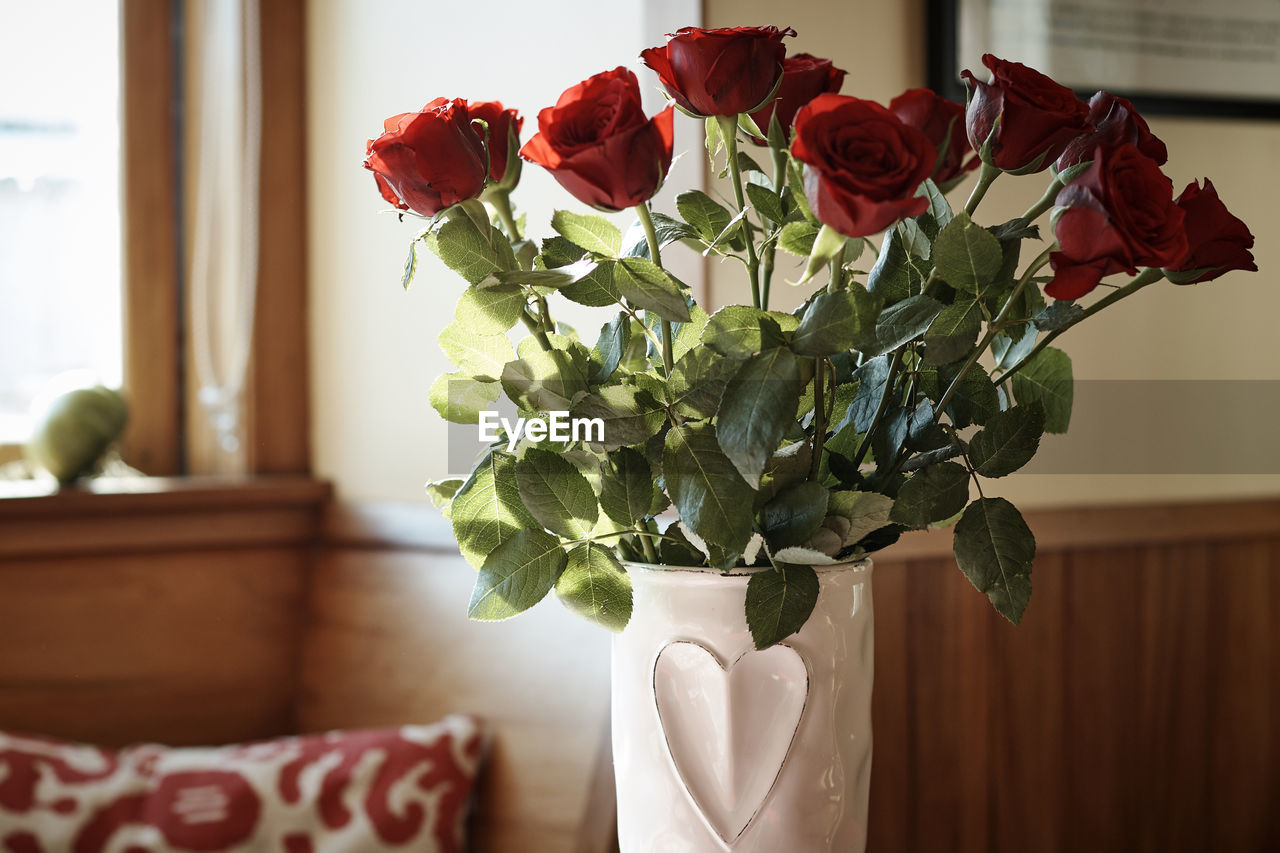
752,437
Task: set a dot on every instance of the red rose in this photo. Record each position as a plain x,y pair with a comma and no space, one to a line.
1115,122
863,165
598,144
502,122
1117,216
804,78
1217,241
428,160
943,122
719,72
1037,117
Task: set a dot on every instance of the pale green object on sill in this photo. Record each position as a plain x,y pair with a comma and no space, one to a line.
74,430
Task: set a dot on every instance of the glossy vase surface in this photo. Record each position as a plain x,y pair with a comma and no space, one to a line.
720,747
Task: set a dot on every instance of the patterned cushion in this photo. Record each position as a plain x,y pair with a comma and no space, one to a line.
402,789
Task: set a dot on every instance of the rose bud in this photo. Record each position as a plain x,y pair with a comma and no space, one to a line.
1217,241
504,125
862,164
428,160
1115,217
804,78
720,72
1115,122
943,122
597,142
1033,118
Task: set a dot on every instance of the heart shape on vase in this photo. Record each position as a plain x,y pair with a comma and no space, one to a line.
730,727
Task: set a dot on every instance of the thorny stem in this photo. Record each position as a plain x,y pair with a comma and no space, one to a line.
501,202
651,235
779,180
986,175
729,130
819,416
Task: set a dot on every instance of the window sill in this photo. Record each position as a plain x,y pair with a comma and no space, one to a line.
147,514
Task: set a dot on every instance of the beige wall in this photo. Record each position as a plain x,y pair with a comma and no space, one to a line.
374,354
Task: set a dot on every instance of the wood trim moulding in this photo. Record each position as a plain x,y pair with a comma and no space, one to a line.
159,514
420,527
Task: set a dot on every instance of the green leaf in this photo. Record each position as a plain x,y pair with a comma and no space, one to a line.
459,398
482,356
441,493
487,510
544,381
714,139
1059,315
1047,378
795,175
681,551
471,252
648,286
707,489
966,255
834,321
736,331
556,494
707,216
630,414
558,252
766,202
934,493
697,382
593,233
953,333
688,336
793,516
995,548
975,399
490,310
626,490
595,289
939,212
756,406
779,602
595,586
410,266
615,336
667,229
866,512
890,279
871,378
797,238
517,575
899,323
1007,441
557,277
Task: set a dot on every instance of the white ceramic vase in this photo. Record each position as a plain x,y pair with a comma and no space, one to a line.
719,747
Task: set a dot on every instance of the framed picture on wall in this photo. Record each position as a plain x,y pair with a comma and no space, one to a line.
1168,56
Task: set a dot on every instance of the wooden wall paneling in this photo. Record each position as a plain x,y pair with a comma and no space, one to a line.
178,648
149,187
891,759
278,432
1027,801
1243,647
389,642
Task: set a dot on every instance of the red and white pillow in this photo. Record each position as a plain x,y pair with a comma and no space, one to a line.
403,789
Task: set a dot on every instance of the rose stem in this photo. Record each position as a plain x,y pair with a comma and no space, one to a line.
1046,201
532,324
651,234
779,177
993,328
1147,276
986,176
646,544
501,202
819,415
729,130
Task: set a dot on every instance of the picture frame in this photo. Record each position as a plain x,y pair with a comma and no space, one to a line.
1169,58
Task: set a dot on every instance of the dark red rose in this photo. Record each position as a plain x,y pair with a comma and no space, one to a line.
599,145
1115,122
1038,117
502,122
1217,241
862,164
428,160
1117,216
804,78
719,72
943,122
